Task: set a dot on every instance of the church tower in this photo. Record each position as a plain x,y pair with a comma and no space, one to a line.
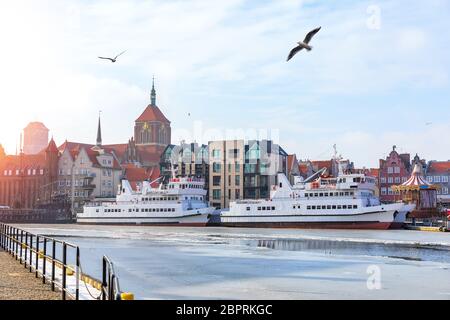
152,128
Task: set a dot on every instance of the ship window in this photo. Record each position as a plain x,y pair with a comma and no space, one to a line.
248,208
325,194
355,207
293,207
339,207
318,207
259,208
324,207
97,211
328,207
309,207
334,207
316,195
273,208
344,207
347,194
313,207
321,194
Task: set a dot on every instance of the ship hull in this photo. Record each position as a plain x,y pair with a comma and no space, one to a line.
366,225
195,220
380,220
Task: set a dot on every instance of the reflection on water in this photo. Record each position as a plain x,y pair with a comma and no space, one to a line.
396,251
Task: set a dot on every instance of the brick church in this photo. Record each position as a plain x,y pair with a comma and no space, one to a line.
152,134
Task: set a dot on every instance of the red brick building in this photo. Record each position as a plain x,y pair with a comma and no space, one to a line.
27,179
394,170
152,135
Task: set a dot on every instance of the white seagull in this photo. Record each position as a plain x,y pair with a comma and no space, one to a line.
304,44
113,60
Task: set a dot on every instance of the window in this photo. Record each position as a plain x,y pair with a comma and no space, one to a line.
397,180
237,180
216,154
383,180
444,179
217,167
437,179
397,169
233,153
217,181
445,190
390,180
430,179
390,170
217,194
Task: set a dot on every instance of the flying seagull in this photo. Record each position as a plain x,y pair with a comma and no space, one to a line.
304,44
113,60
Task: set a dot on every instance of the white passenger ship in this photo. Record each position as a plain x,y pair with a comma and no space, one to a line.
346,202
181,203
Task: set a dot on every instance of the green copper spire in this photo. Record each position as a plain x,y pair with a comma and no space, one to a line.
153,95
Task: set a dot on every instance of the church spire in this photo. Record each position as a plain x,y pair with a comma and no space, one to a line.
153,95
99,132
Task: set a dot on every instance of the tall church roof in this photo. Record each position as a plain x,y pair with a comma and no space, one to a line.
152,113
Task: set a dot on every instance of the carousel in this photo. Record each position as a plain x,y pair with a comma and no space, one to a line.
423,195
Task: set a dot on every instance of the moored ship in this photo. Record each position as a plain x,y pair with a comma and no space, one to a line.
181,203
346,202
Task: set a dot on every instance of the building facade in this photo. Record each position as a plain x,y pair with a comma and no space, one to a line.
263,161
87,171
29,180
35,138
239,170
393,171
226,172
186,160
438,173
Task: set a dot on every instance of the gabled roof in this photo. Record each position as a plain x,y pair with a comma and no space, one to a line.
52,148
152,113
75,148
439,167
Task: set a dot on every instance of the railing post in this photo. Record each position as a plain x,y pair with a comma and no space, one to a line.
64,271
53,264
16,243
77,290
37,256
7,239
44,259
1,235
31,252
104,281
26,250
20,246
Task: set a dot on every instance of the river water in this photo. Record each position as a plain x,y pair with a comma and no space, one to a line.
221,263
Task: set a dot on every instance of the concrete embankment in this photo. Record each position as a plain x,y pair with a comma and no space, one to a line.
17,283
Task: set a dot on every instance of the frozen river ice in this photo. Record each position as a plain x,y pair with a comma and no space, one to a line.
220,263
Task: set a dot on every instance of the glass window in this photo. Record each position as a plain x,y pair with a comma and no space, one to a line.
216,154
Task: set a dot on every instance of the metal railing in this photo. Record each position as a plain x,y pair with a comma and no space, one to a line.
39,253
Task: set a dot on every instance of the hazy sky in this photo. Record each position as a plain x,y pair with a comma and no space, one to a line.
379,72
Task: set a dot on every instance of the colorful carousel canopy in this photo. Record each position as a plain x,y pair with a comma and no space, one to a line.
416,182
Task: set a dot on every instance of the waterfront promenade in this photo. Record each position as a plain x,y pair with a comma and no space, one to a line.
17,283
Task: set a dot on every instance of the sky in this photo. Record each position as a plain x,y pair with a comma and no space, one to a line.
378,75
